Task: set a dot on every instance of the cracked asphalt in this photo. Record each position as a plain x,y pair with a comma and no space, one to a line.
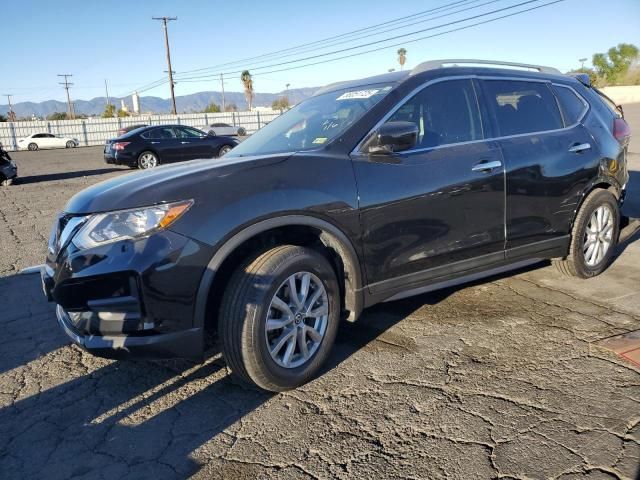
499,379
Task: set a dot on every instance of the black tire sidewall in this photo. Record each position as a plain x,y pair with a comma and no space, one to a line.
255,336
35,147
595,201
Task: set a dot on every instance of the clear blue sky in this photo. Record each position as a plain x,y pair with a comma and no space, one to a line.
117,40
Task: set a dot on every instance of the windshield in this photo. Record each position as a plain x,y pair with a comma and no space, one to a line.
314,122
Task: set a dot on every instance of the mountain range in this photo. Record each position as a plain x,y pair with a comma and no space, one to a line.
195,102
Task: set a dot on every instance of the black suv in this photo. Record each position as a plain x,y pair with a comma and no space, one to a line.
371,190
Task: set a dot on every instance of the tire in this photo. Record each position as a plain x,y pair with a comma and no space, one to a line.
249,299
6,182
242,131
70,144
147,160
224,149
33,146
592,243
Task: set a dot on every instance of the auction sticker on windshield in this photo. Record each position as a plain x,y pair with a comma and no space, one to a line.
358,94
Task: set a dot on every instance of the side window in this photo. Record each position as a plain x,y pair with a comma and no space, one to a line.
522,107
38,135
571,106
160,134
185,132
445,113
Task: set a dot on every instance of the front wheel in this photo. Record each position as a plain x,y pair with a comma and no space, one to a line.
33,146
224,149
147,160
70,144
279,317
6,182
593,237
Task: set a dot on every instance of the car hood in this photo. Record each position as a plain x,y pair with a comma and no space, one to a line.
182,181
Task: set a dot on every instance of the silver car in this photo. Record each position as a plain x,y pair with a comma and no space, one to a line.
225,129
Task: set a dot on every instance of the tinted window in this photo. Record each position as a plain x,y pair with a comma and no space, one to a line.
522,107
160,133
185,132
220,125
445,112
39,135
571,105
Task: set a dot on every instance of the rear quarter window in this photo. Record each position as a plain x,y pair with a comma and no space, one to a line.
571,105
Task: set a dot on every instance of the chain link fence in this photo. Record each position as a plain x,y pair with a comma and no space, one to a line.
96,131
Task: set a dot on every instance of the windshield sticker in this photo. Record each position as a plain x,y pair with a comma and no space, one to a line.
320,140
358,94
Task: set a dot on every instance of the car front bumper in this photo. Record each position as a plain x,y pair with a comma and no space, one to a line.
130,298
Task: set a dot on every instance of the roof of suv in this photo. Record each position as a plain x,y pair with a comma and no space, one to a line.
478,66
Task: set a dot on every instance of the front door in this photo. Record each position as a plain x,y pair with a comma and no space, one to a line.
437,209
192,144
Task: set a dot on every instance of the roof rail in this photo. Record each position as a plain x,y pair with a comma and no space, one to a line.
433,64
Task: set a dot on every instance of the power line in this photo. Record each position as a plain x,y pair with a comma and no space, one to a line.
66,85
335,37
376,42
170,71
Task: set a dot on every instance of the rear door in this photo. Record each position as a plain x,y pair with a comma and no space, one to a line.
548,159
163,141
437,209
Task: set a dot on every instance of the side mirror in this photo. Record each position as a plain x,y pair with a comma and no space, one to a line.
394,137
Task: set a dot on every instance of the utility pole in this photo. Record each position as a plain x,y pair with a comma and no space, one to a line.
582,60
12,115
66,85
106,89
222,83
166,44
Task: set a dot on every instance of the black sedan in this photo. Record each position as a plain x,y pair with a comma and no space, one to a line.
151,146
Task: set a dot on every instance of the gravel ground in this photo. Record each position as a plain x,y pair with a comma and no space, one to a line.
502,378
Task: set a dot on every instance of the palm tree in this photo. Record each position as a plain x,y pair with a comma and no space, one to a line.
402,57
247,81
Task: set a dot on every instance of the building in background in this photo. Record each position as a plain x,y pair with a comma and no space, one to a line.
135,99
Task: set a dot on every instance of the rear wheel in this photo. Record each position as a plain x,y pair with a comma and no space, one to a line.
147,160
279,317
71,144
33,146
593,237
242,131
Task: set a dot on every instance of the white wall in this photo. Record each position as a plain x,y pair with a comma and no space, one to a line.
623,95
95,131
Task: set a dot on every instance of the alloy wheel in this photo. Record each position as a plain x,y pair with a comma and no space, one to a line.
148,160
224,150
598,235
297,320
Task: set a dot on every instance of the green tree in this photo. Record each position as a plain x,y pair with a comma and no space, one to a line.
231,107
247,81
123,113
109,111
212,108
402,57
57,116
614,64
281,104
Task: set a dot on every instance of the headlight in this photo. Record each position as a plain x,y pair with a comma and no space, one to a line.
103,228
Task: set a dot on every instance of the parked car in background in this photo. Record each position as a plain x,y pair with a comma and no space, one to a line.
372,190
130,128
149,147
8,168
36,141
219,129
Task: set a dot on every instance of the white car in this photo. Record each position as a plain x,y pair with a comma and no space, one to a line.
46,140
224,129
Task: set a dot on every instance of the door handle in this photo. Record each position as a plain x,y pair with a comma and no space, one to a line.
184,142
580,147
485,166
154,143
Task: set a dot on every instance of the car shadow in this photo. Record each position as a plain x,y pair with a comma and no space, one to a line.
64,175
146,415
